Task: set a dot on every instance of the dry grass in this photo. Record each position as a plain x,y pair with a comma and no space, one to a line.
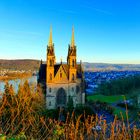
21,118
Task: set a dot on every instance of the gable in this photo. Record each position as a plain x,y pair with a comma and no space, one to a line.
61,76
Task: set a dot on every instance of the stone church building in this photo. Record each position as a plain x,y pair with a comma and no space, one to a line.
62,81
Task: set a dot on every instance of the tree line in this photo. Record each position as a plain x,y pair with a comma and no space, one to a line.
121,86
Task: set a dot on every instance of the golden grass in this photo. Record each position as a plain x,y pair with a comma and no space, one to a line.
21,118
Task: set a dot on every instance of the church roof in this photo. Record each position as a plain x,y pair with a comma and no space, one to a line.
56,68
78,67
79,71
42,70
65,67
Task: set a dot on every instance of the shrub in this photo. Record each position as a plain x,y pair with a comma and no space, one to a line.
23,116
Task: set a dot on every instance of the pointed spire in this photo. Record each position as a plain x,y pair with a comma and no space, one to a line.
41,61
61,59
50,38
72,39
81,65
80,62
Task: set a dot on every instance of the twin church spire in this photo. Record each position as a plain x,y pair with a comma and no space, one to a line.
71,59
50,49
51,40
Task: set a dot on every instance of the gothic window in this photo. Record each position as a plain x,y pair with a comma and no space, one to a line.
60,75
50,76
50,89
73,63
61,97
72,89
77,89
50,62
73,77
50,103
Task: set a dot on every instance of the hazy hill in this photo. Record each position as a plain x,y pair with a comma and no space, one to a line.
27,64
110,67
24,64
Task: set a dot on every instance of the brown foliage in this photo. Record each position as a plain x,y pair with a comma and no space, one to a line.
22,113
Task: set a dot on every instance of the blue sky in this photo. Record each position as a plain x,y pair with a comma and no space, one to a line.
106,31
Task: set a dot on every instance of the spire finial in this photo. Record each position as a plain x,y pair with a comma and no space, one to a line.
50,38
80,62
72,39
61,59
41,61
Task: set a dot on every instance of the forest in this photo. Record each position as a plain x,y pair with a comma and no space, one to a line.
123,86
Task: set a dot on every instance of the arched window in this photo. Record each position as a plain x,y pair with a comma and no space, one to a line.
72,89
50,103
77,89
50,89
50,76
73,63
73,77
60,75
61,97
50,62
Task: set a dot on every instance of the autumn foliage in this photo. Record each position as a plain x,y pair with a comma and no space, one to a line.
22,116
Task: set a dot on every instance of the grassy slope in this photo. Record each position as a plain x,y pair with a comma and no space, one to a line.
107,99
110,100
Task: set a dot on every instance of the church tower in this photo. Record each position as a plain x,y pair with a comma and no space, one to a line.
71,59
50,60
62,81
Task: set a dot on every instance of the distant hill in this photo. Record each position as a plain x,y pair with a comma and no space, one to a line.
24,64
27,64
110,67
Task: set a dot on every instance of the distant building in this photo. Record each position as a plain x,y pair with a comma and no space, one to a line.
62,81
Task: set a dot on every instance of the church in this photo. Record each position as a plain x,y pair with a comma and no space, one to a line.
62,81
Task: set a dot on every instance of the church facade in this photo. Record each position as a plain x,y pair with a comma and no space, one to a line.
63,81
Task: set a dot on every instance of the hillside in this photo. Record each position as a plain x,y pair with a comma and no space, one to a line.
24,64
27,64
